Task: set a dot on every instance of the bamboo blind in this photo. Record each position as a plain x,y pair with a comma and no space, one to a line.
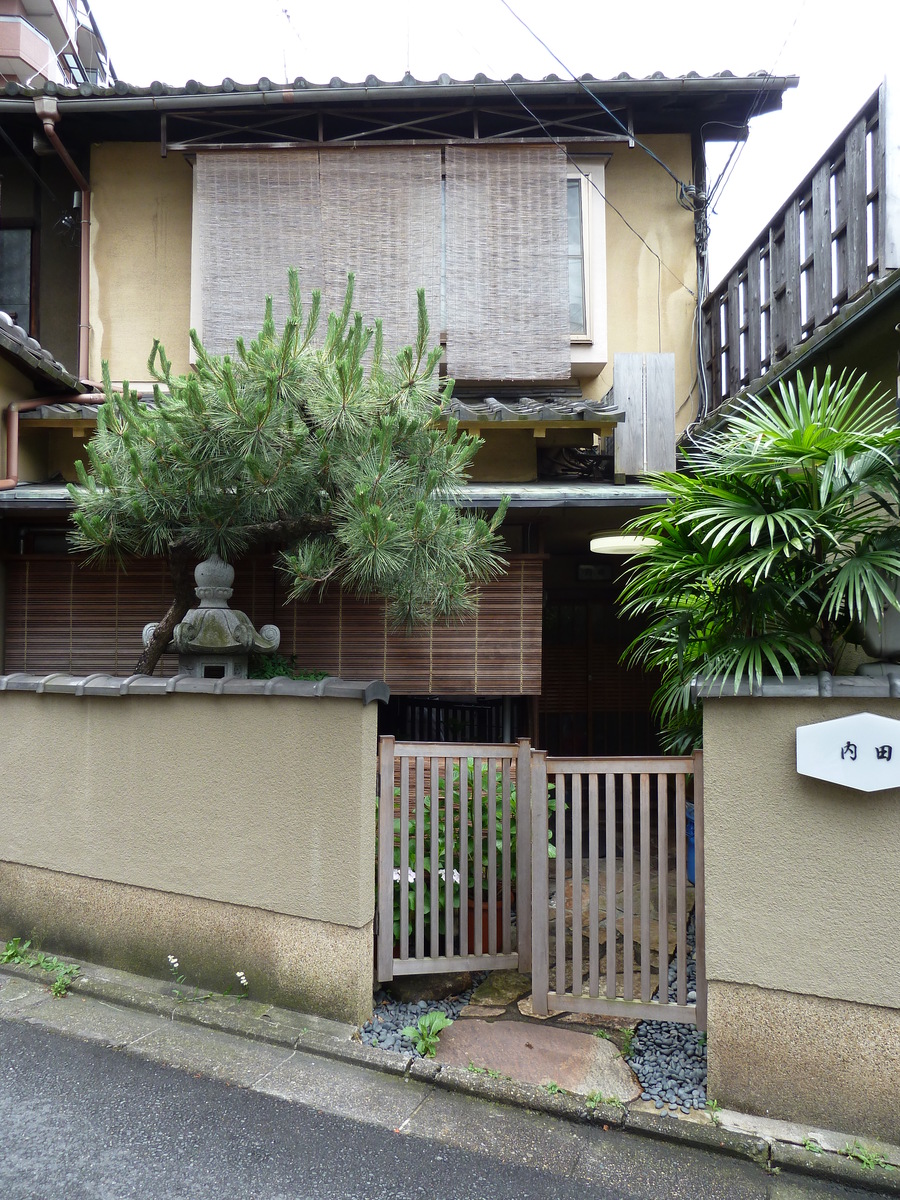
373,211
62,617
256,214
507,281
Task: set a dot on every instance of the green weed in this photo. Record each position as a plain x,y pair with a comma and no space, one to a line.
23,954
425,1033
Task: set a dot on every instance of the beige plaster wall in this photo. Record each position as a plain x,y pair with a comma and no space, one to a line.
140,257
806,1059
258,801
651,307
802,876
314,966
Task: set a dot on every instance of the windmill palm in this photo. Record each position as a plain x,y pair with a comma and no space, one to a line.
771,548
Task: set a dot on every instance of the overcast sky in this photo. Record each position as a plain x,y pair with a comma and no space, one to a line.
839,50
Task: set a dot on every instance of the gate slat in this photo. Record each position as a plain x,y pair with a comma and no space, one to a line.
506,858
540,872
628,887
612,941
577,908
523,855
478,797
492,855
448,864
699,891
680,890
662,828
435,861
594,886
404,857
420,858
464,859
560,842
645,888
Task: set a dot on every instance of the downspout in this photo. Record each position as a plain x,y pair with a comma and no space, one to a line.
12,428
48,111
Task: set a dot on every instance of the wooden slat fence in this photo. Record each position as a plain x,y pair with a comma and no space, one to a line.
607,948
454,857
821,250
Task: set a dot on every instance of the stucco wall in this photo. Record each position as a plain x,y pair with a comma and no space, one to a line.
802,877
257,801
140,257
802,926
651,307
195,805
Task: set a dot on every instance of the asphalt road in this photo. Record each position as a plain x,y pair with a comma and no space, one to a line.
80,1119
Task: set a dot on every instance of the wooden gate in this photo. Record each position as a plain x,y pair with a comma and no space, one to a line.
575,869
615,912
454,857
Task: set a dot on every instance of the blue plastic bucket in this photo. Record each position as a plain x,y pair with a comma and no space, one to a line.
689,830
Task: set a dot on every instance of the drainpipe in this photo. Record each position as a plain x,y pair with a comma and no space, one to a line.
48,113
12,428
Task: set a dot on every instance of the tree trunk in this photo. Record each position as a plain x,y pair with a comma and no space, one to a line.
182,577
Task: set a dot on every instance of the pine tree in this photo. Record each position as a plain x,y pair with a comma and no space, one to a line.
330,453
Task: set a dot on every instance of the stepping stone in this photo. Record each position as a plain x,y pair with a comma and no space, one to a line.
540,1054
526,1008
481,1011
501,988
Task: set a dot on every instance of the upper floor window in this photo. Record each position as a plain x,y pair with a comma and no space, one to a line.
577,284
15,275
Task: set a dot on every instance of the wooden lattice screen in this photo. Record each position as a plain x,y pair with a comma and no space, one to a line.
63,617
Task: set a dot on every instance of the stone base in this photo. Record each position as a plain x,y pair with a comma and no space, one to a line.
311,966
804,1058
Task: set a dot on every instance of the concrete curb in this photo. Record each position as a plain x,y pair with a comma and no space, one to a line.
333,1040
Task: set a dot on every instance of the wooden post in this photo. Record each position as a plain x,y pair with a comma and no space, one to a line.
385,913
540,867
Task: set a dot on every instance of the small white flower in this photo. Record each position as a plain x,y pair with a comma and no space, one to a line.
242,978
173,960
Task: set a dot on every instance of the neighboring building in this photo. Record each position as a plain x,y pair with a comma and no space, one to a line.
820,285
554,225
52,41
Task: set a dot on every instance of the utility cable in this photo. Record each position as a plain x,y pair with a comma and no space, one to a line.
595,99
561,146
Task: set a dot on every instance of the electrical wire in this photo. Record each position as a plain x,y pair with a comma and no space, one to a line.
754,108
561,146
595,99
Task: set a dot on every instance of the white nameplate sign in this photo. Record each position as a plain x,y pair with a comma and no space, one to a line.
861,752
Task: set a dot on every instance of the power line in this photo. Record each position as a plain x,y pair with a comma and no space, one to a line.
595,99
561,146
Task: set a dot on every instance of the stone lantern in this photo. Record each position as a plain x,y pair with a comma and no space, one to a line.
215,641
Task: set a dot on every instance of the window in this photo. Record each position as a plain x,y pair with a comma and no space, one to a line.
586,224
577,288
15,275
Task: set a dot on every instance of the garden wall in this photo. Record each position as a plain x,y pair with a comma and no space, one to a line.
228,823
803,917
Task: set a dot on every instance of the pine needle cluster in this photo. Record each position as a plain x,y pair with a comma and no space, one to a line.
323,448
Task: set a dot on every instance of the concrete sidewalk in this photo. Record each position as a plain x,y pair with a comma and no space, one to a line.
326,1067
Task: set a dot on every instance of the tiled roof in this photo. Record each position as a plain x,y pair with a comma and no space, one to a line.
540,404
757,80
28,353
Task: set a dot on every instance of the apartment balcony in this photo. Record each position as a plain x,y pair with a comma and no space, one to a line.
51,40
826,253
